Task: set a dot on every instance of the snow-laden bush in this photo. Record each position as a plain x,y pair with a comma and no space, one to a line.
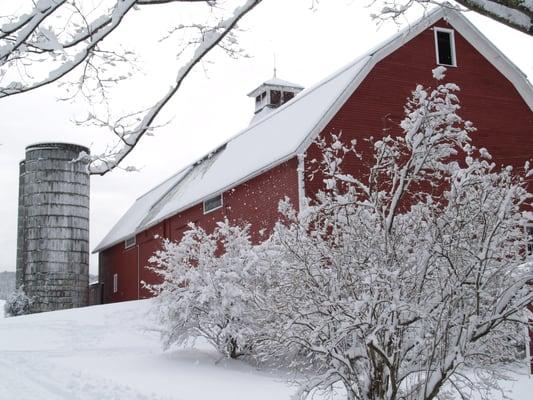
209,281
397,285
17,303
409,283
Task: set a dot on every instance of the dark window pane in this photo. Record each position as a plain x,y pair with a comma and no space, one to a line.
287,96
444,45
275,97
129,242
258,99
213,203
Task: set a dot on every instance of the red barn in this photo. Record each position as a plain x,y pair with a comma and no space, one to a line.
244,179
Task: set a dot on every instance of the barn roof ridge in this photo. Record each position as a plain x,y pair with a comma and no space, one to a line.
153,206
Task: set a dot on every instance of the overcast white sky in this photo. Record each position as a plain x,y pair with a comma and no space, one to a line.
211,106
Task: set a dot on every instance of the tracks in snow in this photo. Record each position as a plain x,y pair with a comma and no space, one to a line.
30,378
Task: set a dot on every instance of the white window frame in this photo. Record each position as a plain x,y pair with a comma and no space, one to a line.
115,283
452,43
264,100
216,208
130,242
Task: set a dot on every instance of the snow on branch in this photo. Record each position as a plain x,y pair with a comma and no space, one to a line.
517,14
29,40
103,163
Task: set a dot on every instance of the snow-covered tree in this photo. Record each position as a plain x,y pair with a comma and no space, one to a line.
17,303
209,281
42,41
411,283
407,281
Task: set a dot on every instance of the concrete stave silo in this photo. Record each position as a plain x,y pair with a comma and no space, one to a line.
53,233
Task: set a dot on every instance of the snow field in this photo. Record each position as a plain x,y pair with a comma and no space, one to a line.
113,352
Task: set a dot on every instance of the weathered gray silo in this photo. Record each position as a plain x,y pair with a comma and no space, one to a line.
53,232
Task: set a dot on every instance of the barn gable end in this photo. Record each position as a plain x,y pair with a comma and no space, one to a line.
501,114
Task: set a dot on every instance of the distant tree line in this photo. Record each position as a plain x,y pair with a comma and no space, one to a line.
7,284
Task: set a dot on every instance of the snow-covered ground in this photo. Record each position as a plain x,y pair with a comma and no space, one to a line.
112,352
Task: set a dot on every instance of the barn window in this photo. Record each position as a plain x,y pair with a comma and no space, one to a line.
287,96
445,47
529,239
129,242
275,97
213,203
115,283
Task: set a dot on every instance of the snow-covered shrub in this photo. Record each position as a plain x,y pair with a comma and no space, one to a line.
17,303
396,285
407,281
209,281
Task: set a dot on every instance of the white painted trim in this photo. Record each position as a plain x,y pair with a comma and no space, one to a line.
300,169
221,195
115,283
452,43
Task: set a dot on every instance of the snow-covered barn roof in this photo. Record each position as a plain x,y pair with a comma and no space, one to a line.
287,131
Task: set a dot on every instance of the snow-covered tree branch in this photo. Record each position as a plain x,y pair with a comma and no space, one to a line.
517,14
43,41
34,38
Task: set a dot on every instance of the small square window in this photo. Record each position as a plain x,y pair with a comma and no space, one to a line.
115,283
130,242
445,47
213,203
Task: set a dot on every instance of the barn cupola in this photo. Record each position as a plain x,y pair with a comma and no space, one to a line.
271,94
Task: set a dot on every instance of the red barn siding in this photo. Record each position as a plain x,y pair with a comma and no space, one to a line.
254,202
503,119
